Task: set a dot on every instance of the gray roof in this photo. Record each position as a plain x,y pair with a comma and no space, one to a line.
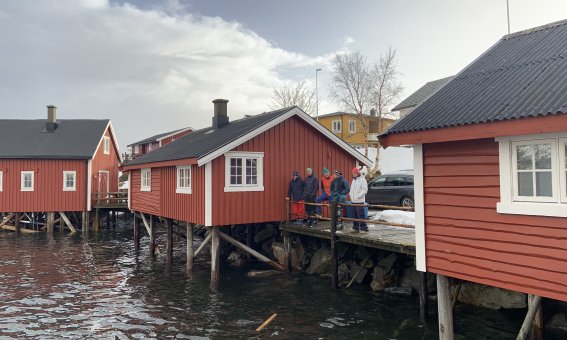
202,142
422,93
523,75
73,138
156,137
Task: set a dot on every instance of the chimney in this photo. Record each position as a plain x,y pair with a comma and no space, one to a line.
51,123
220,118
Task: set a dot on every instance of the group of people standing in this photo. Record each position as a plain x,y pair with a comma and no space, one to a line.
333,188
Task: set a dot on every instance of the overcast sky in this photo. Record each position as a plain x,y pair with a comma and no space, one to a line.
154,66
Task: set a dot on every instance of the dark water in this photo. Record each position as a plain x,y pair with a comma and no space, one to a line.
67,286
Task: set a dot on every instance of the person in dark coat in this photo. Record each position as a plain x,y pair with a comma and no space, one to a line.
310,193
295,192
339,191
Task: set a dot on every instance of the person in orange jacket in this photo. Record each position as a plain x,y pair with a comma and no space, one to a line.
325,189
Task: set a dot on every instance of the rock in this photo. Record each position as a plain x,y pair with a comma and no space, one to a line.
237,259
267,247
384,274
557,326
278,251
354,269
320,262
297,254
266,233
406,291
491,297
388,262
344,273
409,277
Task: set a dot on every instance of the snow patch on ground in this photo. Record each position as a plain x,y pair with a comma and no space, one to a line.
395,216
391,159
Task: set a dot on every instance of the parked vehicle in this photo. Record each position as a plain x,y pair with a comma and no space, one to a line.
395,188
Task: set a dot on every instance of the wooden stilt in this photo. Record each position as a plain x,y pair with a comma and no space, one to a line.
287,251
537,325
152,236
189,246
136,226
334,253
251,252
107,220
215,256
17,223
66,220
423,302
203,244
85,222
50,222
96,223
445,309
169,241
456,295
61,224
249,237
532,311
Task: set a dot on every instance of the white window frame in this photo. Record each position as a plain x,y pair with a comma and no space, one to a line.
22,177
1,180
259,186
106,145
352,123
337,123
510,202
65,187
146,180
179,188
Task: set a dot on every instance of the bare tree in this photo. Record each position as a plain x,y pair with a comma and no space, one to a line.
299,95
351,87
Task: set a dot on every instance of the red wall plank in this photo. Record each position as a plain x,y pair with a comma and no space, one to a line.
106,162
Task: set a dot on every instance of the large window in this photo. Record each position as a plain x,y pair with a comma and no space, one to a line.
183,180
533,175
69,180
244,171
106,145
146,180
352,126
337,126
27,181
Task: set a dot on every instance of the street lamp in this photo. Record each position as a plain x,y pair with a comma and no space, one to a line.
317,93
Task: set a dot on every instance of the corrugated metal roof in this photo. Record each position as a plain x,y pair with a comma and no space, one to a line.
202,142
522,75
422,93
158,136
73,138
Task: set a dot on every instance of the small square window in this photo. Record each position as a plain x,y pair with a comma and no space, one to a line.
69,180
183,180
107,145
146,180
27,180
352,126
337,126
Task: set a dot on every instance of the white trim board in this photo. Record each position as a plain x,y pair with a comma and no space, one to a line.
114,139
419,204
173,134
293,112
208,194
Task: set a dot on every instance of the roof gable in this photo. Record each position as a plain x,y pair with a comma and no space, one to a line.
160,136
422,93
523,75
73,138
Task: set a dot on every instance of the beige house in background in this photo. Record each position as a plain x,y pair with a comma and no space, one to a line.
349,127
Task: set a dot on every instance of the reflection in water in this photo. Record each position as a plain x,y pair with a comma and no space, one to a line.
69,286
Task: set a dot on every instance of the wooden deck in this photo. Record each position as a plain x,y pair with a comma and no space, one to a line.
396,239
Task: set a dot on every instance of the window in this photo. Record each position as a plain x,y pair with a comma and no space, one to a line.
379,182
183,180
146,180
27,180
107,145
533,175
336,126
352,126
136,149
395,181
244,171
69,180
1,179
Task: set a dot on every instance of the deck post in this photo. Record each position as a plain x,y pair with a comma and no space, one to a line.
152,236
287,251
136,225
85,221
61,223
169,241
96,223
445,308
50,222
423,302
215,256
334,253
537,325
189,246
17,223
533,308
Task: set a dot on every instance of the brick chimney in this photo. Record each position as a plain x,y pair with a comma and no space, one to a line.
51,123
220,118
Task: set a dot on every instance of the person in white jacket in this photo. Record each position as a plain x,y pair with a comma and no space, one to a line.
358,190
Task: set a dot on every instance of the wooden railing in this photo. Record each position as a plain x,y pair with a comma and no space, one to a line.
110,199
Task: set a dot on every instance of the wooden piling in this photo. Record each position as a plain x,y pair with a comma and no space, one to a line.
189,246
423,302
169,241
445,309
96,223
17,223
136,225
152,236
537,325
107,219
249,237
215,256
50,222
530,316
85,221
334,253
287,251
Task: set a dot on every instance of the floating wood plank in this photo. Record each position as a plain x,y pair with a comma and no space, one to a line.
251,251
22,230
270,319
67,222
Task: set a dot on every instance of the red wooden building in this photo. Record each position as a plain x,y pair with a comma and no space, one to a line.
491,170
50,165
146,145
235,172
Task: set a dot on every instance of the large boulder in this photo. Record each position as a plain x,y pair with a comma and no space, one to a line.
491,297
320,262
344,273
354,269
384,274
237,259
278,251
557,326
